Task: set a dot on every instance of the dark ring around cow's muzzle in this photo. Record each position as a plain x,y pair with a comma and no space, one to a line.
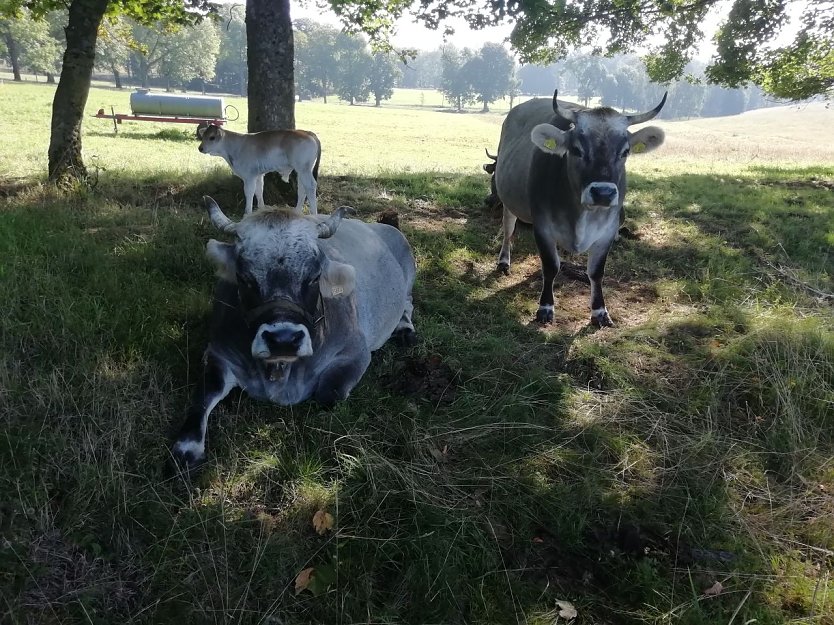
284,308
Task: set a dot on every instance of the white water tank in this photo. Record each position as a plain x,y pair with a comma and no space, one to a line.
147,103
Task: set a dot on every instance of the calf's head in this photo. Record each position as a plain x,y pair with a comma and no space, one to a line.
210,139
281,276
596,146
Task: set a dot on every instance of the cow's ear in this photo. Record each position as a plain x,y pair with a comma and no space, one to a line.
549,139
224,257
337,280
646,139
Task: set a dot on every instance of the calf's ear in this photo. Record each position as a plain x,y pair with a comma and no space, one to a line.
646,139
223,256
549,139
337,280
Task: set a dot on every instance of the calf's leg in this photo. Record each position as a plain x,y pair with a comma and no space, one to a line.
259,191
308,182
216,382
250,186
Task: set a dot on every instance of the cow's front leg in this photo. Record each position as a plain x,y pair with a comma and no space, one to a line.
596,268
404,332
250,186
550,267
337,381
259,191
216,381
508,226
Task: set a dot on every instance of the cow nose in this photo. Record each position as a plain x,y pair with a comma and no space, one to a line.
200,148
283,338
603,194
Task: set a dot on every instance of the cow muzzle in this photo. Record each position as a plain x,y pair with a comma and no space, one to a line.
282,341
601,195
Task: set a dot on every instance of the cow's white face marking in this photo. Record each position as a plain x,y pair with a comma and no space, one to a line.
302,348
292,240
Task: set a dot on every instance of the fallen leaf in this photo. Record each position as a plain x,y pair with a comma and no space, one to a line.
322,521
302,581
714,590
566,610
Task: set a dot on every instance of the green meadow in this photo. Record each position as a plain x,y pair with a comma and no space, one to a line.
676,468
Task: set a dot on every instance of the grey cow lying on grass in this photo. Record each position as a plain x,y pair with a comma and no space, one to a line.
300,304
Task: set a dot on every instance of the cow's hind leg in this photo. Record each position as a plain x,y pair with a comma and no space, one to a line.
596,268
550,267
217,380
508,225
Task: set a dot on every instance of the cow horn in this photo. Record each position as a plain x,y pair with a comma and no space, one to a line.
327,228
566,114
220,221
494,158
644,117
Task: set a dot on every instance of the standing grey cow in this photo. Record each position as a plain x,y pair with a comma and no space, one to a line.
561,168
252,156
300,304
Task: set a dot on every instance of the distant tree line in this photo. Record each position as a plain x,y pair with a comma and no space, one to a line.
211,55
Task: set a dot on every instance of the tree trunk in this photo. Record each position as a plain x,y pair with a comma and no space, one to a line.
65,159
118,78
50,78
378,99
486,108
270,54
14,54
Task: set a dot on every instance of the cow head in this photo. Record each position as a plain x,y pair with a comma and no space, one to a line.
595,147
281,276
210,139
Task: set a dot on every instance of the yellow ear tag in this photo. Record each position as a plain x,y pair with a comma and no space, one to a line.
638,148
550,144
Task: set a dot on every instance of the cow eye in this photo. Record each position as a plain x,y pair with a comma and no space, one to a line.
625,153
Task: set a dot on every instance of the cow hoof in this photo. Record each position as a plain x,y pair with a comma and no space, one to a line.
504,268
601,319
187,456
544,315
405,337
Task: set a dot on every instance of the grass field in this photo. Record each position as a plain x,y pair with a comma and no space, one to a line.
492,471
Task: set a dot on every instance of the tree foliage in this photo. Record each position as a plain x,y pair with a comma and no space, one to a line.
545,31
490,73
385,72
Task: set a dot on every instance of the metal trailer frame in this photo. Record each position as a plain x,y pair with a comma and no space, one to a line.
118,118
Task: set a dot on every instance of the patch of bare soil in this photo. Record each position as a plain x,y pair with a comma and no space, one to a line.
424,378
811,183
64,573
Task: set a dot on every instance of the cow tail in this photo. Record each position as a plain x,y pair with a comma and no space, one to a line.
318,160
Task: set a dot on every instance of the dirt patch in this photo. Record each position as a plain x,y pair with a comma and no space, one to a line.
811,183
424,378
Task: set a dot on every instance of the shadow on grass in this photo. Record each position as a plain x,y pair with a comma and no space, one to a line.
604,468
